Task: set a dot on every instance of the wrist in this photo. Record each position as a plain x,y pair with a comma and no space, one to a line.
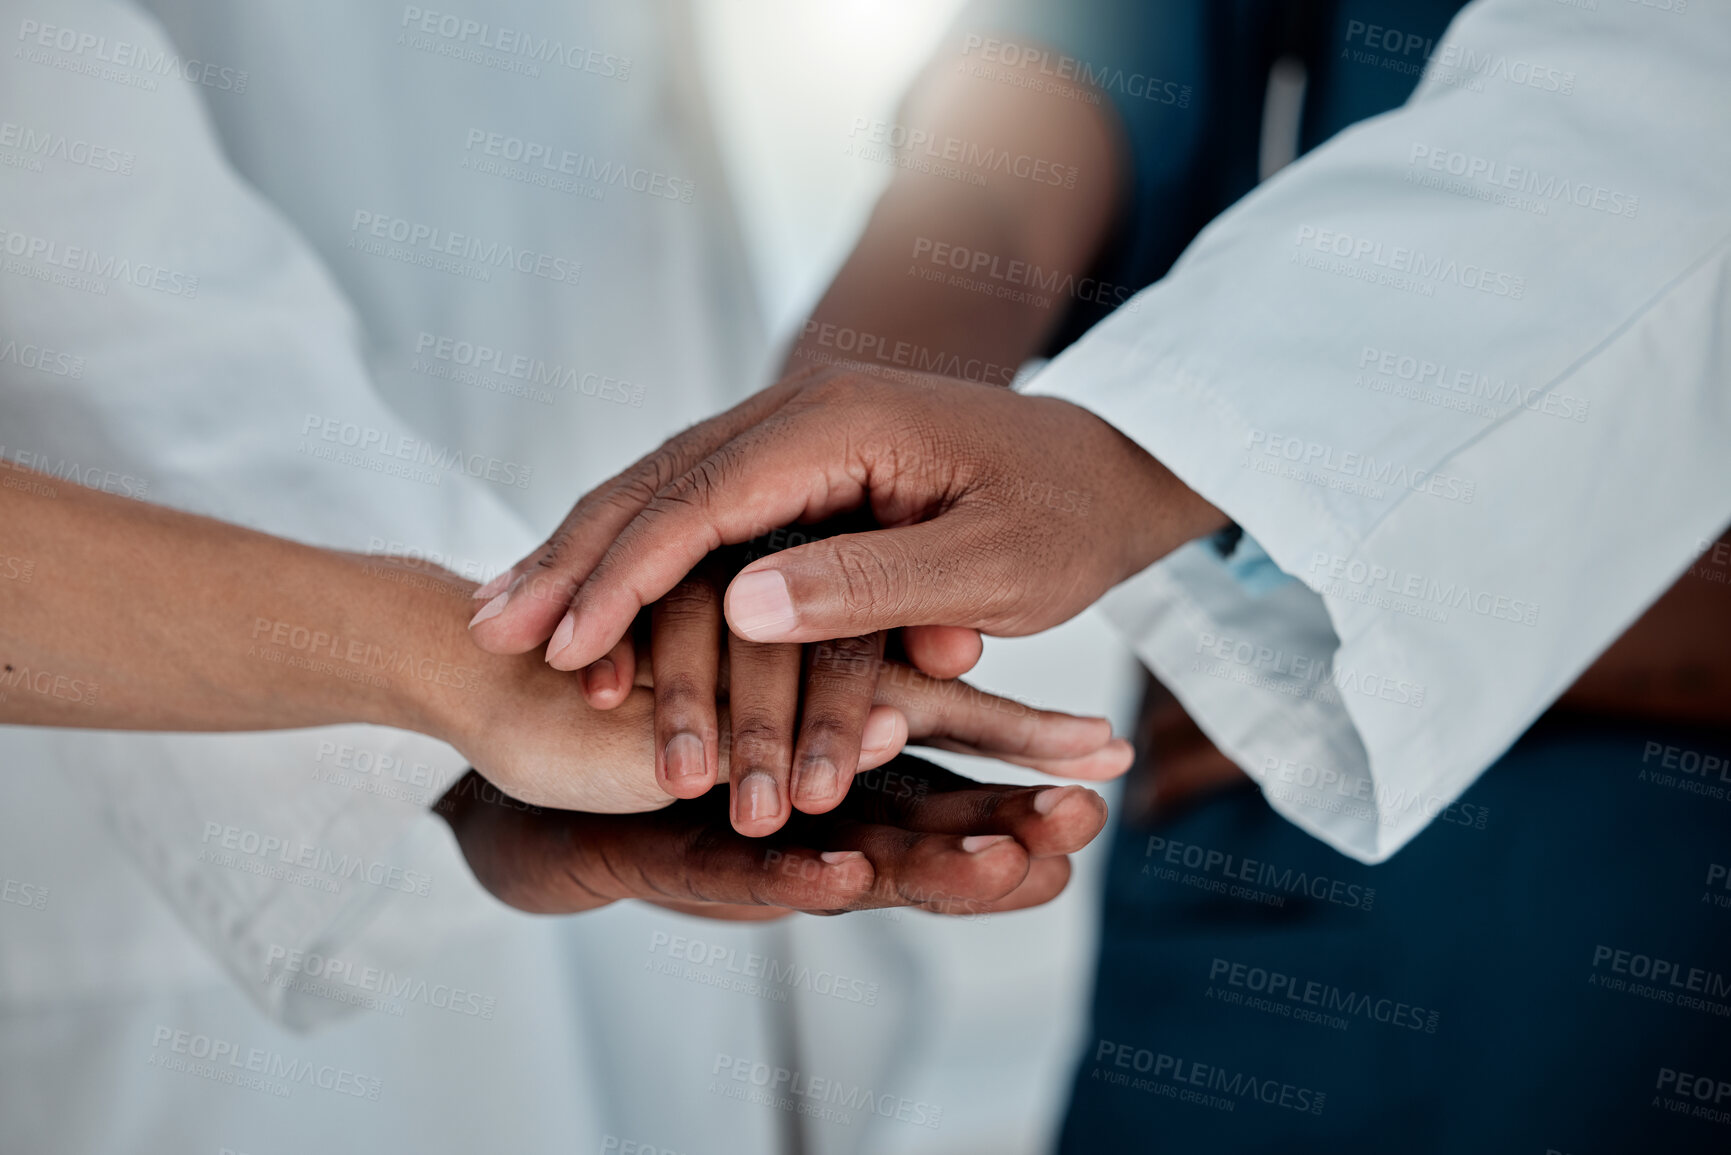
1163,512
437,679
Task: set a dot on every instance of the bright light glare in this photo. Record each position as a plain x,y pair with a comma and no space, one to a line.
789,78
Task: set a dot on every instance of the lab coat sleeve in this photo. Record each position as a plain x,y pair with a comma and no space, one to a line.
1463,372
165,335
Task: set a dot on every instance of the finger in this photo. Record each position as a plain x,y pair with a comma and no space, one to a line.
1108,762
943,570
956,713
913,794
525,605
607,682
763,701
787,468
911,868
942,651
885,734
840,681
1047,878
685,649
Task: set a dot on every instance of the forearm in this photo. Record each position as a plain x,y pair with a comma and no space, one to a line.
139,617
974,270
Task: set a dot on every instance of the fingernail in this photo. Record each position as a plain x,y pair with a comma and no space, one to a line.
561,636
974,843
758,797
760,607
495,587
879,732
491,610
815,780
601,677
1047,800
684,757
837,857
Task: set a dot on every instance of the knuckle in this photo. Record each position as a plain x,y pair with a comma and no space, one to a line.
825,729
680,689
847,657
870,585
759,739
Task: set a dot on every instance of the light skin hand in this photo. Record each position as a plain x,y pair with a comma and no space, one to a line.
144,618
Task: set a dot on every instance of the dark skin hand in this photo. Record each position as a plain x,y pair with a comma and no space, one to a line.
909,834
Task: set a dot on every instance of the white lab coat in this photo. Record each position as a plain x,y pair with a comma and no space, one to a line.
247,247
1462,373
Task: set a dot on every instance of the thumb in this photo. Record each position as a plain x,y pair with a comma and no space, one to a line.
925,574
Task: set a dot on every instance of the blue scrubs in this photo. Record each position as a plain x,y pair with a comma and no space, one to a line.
1547,968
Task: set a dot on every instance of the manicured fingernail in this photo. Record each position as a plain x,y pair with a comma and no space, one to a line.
758,797
1047,800
974,843
815,780
561,636
495,587
760,607
601,677
879,732
837,857
684,757
491,610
